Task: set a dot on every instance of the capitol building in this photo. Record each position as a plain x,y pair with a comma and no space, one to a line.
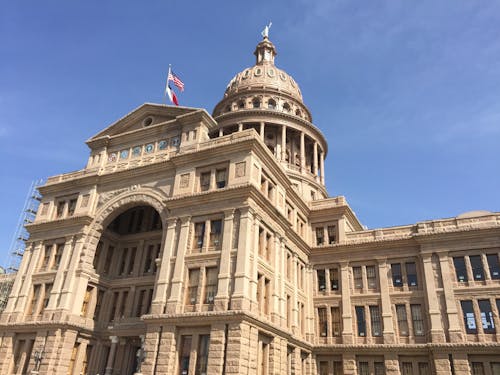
198,244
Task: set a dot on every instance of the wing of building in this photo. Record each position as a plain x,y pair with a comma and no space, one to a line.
207,244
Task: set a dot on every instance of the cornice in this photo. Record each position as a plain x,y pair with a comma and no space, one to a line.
76,222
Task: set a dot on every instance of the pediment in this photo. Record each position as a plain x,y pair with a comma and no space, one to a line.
147,115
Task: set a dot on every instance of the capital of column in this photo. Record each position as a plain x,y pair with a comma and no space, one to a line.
229,214
114,339
185,220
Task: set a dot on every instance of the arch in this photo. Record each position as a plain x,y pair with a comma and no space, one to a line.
271,104
117,205
256,103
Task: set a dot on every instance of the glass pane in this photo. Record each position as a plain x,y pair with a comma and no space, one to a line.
397,277
494,266
468,314
460,269
477,267
486,316
360,318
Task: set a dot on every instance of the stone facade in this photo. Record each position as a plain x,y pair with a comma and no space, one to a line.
197,244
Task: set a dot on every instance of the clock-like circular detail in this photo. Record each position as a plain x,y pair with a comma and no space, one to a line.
149,148
176,141
124,154
163,144
271,73
136,151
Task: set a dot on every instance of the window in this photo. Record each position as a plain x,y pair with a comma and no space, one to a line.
371,277
220,178
98,304
123,304
109,258
184,354
210,285
263,355
322,322
477,368
215,233
379,368
46,296
202,355
417,319
402,320
321,280
71,207
199,235
423,368
47,254
397,277
477,267
360,320
205,181
57,256
332,234
60,209
406,368
376,321
411,274
468,314
494,266
33,305
131,261
271,104
256,103
358,277
460,270
263,293
192,289
486,316
334,278
336,321
320,239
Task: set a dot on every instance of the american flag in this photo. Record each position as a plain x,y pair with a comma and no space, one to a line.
177,81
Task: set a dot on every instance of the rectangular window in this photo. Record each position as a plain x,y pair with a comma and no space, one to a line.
210,285
123,305
58,256
322,321
149,259
215,233
460,269
358,277
477,368
123,262
184,354
334,278
33,306
320,236
469,319
220,178
140,303
130,268
336,321
486,316
360,320
402,320
375,321
337,368
494,266
192,290
71,207
411,273
202,355
363,368
423,368
397,276
47,254
379,368
332,234
109,258
477,267
321,280
60,209
323,368
371,277
199,235
98,304
406,368
417,319
46,296
113,306
205,181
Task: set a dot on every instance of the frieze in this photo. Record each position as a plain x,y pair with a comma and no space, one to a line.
105,197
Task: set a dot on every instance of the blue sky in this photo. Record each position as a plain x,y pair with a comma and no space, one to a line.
406,92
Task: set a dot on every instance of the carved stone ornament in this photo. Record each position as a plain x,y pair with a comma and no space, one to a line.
104,197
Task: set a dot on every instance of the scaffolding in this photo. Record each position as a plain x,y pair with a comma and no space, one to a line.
18,243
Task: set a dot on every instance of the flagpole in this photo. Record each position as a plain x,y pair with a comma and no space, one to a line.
166,85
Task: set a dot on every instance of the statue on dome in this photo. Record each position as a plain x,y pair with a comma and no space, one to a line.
265,32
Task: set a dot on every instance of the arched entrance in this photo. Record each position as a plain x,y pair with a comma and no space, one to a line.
125,265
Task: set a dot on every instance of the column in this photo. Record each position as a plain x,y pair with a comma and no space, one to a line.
174,303
442,364
436,328
221,300
160,291
221,132
240,127
18,280
26,284
262,128
253,260
277,311
315,161
349,363
388,329
461,364
66,299
454,331
391,363
111,355
302,151
240,297
58,281
347,337
283,142
295,299
322,166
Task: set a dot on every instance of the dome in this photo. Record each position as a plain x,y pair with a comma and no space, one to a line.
264,75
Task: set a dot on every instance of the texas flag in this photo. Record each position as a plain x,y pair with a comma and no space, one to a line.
177,82
171,94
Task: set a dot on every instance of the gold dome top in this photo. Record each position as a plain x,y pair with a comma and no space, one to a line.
264,75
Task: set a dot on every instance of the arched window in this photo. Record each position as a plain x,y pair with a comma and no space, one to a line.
298,113
271,104
256,103
241,104
286,107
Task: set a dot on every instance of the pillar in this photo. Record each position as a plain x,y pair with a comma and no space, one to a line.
262,129
315,161
111,356
221,301
454,331
161,285
322,166
283,142
436,327
388,327
67,292
302,151
61,272
347,337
